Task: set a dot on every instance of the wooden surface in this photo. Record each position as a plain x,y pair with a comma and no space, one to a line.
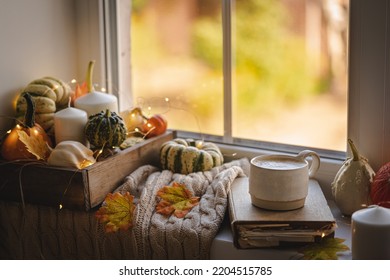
313,217
84,189
40,184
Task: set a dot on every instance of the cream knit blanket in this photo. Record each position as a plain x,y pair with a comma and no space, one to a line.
158,237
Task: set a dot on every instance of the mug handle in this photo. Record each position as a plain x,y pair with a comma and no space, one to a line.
315,163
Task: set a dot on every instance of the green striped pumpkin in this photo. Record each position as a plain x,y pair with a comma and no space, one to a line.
50,95
105,130
187,156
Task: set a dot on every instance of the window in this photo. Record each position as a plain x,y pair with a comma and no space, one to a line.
177,66
289,66
241,69
368,81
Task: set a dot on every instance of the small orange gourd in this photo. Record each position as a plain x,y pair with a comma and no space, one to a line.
155,125
13,148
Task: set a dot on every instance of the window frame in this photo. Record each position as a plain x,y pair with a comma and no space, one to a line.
369,79
368,84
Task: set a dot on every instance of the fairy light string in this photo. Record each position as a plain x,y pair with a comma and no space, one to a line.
148,103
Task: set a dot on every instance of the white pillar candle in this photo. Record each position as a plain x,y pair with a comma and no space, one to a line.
371,233
69,124
95,102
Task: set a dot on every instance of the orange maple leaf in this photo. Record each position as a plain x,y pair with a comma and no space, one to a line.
176,200
35,144
80,90
117,212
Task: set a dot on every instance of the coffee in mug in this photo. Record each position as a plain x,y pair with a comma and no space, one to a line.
280,182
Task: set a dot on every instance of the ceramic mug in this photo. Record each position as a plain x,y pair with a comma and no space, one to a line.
281,182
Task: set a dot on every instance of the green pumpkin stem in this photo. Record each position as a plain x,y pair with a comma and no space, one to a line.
88,79
356,156
29,117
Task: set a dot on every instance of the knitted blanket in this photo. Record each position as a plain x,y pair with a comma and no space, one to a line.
159,237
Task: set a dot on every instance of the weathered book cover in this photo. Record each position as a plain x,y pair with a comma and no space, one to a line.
254,227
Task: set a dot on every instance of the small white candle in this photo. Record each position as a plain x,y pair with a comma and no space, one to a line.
371,233
69,124
95,102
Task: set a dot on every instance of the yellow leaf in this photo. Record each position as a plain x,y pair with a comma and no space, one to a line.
176,200
117,212
35,144
327,249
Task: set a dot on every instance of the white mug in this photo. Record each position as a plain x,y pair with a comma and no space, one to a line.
280,182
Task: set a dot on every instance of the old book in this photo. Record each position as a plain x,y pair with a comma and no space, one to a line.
254,227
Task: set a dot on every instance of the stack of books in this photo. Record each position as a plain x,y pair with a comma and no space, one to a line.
254,227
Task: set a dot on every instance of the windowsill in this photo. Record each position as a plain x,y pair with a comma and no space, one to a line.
223,247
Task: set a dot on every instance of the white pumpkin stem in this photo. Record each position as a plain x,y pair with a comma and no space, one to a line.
356,156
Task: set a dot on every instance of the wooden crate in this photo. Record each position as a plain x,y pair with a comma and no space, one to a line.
72,188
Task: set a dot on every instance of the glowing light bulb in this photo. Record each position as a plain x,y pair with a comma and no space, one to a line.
85,163
103,89
166,99
73,81
9,131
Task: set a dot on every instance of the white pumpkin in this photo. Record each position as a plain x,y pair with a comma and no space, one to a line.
351,186
71,154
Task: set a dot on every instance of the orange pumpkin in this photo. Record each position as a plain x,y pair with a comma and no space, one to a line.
13,148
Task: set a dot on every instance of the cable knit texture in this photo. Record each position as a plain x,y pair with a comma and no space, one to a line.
35,232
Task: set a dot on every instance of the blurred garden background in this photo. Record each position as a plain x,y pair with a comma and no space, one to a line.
289,68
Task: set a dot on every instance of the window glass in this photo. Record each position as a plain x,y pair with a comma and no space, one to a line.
289,68
290,72
176,52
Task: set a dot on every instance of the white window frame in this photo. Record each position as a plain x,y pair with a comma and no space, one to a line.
368,84
99,23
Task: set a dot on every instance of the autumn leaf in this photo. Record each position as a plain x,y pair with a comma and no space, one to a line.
80,90
176,200
327,249
35,144
117,212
